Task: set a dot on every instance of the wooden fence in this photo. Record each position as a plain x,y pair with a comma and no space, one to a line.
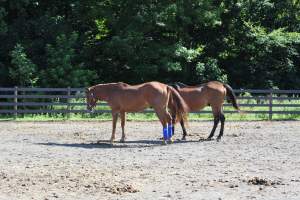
16,101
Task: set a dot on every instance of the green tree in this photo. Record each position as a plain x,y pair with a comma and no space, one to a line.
209,71
23,71
3,25
249,43
62,70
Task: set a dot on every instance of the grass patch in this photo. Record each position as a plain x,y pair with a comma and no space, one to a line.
79,104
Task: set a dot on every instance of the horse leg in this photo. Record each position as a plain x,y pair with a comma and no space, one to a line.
162,120
183,130
222,119
182,127
217,110
114,123
123,119
173,123
216,122
181,123
170,122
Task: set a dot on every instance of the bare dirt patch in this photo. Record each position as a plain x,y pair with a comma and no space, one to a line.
263,181
74,160
121,189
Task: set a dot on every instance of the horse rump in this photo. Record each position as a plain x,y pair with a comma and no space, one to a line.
177,105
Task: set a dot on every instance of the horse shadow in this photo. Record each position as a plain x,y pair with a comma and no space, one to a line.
105,144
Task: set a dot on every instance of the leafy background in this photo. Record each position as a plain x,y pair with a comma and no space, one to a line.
248,44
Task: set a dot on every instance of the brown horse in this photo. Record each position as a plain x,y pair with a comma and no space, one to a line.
207,94
123,98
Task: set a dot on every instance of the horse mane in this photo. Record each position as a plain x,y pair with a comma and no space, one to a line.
178,85
108,84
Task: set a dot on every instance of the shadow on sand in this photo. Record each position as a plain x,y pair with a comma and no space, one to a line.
104,144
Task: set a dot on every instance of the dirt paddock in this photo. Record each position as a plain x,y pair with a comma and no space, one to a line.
61,160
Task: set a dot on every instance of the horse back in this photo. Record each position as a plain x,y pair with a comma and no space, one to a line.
154,92
199,96
137,97
215,92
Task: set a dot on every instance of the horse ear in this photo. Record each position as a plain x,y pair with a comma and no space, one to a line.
87,90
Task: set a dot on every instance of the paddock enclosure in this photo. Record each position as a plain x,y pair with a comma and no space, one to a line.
62,160
19,101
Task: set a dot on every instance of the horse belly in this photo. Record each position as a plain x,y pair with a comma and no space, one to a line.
195,101
198,107
135,108
134,105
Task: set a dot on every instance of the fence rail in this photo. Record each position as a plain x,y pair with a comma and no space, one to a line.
15,101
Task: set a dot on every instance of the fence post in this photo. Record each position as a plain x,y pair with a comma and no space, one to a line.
271,105
68,102
15,102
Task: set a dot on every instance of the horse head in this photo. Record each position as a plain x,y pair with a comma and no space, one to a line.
91,99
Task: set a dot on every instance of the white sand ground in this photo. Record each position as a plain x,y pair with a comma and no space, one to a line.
61,160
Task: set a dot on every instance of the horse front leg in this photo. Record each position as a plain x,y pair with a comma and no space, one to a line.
114,123
123,119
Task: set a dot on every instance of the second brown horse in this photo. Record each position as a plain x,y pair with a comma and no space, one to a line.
211,94
122,98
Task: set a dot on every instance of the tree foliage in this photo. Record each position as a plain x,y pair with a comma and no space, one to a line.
249,43
22,71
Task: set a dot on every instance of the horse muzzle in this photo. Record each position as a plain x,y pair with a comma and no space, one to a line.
90,109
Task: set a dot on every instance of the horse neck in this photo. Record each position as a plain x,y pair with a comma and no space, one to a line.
102,92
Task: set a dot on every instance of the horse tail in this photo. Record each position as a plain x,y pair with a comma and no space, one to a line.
231,97
178,104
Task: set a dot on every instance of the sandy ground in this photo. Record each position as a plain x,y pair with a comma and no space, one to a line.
61,160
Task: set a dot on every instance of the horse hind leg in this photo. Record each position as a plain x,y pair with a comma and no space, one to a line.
216,113
222,119
184,133
173,116
162,120
216,122
171,122
183,130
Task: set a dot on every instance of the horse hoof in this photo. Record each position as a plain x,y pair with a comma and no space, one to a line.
184,139
164,142
218,139
122,140
171,141
208,139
